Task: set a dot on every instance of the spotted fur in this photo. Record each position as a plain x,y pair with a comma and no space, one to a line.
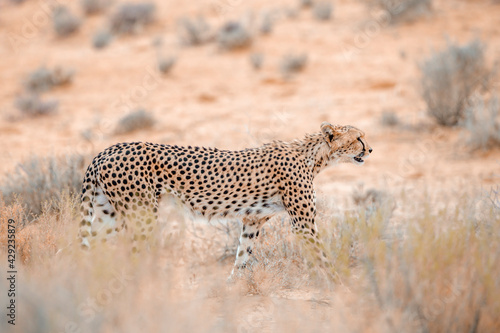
124,184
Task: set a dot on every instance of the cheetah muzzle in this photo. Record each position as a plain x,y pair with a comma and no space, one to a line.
124,184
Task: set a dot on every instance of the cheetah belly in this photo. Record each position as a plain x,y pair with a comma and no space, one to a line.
235,208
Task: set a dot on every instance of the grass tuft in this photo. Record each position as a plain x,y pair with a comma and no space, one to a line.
233,35
134,121
40,183
64,22
31,105
132,17
482,124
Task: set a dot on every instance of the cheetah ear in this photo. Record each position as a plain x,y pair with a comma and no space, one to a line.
332,132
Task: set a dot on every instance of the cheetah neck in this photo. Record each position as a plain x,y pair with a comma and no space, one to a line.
316,152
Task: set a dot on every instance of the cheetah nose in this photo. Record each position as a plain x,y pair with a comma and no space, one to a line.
370,150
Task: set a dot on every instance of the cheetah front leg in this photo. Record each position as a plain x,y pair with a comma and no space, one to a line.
249,233
302,212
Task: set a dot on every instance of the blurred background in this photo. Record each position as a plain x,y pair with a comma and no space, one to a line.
419,77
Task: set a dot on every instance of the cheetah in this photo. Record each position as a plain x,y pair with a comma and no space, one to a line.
124,183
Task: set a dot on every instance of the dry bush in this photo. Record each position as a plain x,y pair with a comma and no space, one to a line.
389,119
165,64
256,60
31,105
135,120
322,10
450,78
305,3
132,17
266,24
483,124
64,22
194,32
43,79
92,7
40,183
292,63
403,10
233,35
102,39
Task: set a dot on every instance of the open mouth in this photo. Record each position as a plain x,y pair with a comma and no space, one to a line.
358,158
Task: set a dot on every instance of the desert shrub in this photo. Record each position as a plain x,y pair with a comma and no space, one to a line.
322,10
102,39
165,64
389,119
267,23
194,32
39,183
292,63
91,7
64,22
131,17
32,105
483,124
135,120
256,60
305,3
43,79
403,10
233,35
450,77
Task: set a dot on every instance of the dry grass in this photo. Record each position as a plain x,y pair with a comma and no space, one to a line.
438,273
482,124
400,11
41,183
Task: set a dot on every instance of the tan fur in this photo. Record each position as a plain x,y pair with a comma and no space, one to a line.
124,184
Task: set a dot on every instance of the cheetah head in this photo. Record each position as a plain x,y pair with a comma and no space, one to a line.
346,144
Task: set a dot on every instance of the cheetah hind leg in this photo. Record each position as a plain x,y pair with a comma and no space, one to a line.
143,223
249,233
98,219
